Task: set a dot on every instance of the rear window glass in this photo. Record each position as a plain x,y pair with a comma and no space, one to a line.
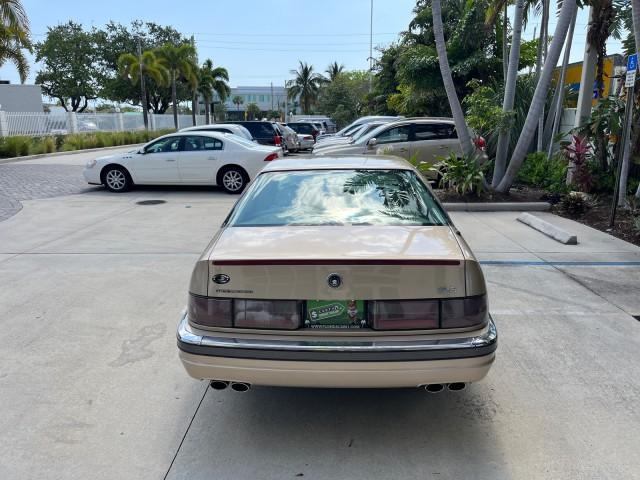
260,129
302,127
338,197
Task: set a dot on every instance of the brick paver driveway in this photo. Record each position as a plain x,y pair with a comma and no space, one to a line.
20,182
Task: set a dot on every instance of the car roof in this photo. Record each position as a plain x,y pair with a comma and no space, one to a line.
339,162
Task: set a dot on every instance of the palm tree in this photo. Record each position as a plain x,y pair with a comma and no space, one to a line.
509,94
454,103
179,62
252,110
14,36
237,101
12,43
539,97
306,85
213,80
333,70
136,68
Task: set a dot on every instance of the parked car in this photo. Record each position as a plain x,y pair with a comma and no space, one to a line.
425,139
290,138
304,128
306,141
264,132
359,131
361,121
321,301
186,158
226,128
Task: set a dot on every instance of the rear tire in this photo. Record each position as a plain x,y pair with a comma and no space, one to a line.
232,179
116,179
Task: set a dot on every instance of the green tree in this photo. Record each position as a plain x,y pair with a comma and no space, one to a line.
333,70
253,110
137,69
237,101
113,40
213,79
345,98
68,55
305,85
179,61
14,36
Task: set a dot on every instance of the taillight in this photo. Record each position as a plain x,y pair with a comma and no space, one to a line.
271,156
308,137
239,313
277,140
211,312
404,315
464,312
426,314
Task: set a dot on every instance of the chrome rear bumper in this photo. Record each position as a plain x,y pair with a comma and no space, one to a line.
355,349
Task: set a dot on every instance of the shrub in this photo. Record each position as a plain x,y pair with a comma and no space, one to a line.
544,172
460,174
574,203
16,146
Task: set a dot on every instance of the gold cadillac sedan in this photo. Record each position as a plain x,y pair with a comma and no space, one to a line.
338,272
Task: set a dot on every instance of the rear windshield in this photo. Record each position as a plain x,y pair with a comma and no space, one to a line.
338,197
302,127
259,129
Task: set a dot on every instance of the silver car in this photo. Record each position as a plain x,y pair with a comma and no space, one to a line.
290,137
226,128
425,139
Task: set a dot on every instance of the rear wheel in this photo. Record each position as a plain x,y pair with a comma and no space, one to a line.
232,179
116,179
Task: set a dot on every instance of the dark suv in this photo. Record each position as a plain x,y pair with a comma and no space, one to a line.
304,128
264,132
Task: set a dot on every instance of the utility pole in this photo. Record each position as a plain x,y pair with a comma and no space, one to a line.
286,101
143,90
272,96
371,49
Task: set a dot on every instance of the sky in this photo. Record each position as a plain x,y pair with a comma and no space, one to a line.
260,41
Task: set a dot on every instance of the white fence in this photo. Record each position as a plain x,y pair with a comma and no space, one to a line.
39,123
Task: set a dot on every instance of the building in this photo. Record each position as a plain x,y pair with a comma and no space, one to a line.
20,98
574,75
268,99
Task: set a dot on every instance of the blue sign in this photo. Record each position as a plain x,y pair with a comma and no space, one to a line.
632,62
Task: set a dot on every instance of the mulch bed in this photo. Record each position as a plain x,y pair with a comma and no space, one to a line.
595,216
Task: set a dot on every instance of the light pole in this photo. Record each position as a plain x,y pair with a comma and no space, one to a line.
371,48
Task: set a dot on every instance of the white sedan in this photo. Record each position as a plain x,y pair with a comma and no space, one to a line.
184,158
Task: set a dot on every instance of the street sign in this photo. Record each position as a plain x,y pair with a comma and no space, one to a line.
632,68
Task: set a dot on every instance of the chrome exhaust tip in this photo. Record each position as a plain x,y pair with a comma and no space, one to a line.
434,387
219,384
240,387
457,386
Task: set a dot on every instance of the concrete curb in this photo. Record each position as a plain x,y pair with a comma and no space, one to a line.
548,229
59,154
498,207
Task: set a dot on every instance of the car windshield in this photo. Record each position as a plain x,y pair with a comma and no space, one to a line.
338,197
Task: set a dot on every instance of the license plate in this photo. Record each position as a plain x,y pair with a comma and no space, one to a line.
335,314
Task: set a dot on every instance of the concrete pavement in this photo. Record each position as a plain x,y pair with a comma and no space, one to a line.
91,387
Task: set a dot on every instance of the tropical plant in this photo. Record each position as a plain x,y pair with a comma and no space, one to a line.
447,79
213,80
179,61
14,36
460,173
305,85
112,40
567,12
137,68
237,101
541,171
605,129
509,95
578,152
333,70
253,110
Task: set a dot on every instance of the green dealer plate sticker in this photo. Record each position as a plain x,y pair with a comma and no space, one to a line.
335,314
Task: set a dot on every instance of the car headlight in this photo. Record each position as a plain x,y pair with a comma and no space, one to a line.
91,163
